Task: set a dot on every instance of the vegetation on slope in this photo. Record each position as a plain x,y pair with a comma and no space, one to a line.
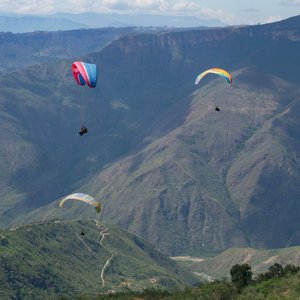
81,258
271,285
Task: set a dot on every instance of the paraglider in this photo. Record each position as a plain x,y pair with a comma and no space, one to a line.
84,198
82,131
216,71
84,74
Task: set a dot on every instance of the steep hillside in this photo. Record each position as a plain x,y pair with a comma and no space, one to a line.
205,169
81,258
164,164
203,177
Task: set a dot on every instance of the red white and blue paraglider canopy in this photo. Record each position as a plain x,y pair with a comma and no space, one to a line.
85,73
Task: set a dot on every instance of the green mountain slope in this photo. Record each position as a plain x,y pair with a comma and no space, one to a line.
285,287
81,258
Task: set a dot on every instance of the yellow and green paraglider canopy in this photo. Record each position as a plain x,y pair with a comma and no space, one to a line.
217,71
84,198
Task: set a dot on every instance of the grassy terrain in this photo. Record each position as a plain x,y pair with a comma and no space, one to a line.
66,258
285,287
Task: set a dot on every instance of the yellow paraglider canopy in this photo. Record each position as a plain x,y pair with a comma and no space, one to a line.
217,71
84,198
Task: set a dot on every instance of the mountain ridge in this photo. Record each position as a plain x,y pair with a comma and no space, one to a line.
21,23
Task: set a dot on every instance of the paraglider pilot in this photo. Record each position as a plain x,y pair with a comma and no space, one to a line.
82,131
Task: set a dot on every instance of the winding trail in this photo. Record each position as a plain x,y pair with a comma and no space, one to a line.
105,266
103,230
103,233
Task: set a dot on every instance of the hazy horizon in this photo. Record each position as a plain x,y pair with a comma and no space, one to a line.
228,12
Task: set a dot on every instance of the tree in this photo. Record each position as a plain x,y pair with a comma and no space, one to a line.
291,269
241,275
275,270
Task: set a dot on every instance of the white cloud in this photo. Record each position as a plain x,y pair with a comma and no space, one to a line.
272,19
291,2
151,6
170,7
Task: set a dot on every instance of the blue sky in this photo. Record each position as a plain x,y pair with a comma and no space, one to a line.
229,11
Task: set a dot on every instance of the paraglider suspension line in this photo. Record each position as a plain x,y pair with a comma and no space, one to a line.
82,108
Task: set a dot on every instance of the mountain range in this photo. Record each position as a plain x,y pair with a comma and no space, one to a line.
67,21
162,162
